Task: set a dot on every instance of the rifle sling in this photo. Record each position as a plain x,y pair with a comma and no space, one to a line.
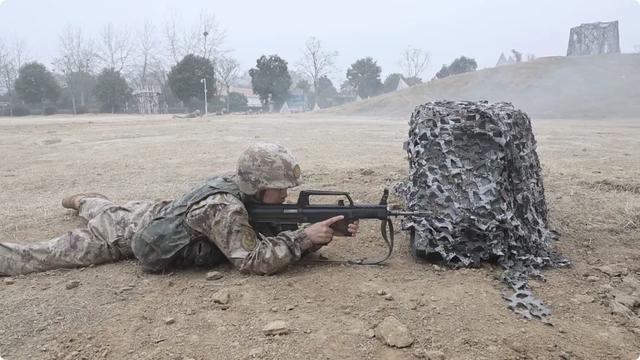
386,228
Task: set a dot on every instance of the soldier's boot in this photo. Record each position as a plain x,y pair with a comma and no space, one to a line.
73,201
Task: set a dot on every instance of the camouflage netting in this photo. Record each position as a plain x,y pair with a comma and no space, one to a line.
474,167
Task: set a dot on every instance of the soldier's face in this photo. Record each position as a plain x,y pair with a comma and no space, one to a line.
274,196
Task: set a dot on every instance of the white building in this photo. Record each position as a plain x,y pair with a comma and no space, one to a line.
253,100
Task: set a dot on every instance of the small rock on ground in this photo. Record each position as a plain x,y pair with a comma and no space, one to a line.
429,354
214,275
614,269
435,355
277,327
72,284
583,299
393,333
255,352
221,297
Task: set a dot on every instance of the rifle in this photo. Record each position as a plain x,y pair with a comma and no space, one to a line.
288,216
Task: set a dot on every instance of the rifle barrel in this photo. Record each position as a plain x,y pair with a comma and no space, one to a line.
408,213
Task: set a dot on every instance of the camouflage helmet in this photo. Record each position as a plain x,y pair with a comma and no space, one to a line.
267,166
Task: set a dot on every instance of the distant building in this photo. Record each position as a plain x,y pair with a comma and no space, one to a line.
503,60
401,84
253,100
594,39
285,109
297,101
147,100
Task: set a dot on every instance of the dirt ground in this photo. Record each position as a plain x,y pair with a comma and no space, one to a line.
592,180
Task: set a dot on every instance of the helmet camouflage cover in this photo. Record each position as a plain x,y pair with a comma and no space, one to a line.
267,166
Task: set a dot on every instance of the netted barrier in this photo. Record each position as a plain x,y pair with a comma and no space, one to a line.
474,167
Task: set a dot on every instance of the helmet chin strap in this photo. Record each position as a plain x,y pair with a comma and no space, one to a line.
255,198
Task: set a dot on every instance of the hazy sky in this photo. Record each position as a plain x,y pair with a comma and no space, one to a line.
382,29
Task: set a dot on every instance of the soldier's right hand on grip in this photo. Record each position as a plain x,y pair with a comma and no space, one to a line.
321,232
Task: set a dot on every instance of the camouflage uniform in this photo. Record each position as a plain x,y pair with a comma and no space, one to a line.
106,238
203,227
224,219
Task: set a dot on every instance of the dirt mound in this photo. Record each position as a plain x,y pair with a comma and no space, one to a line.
552,87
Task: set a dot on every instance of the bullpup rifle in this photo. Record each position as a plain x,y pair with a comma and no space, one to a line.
289,216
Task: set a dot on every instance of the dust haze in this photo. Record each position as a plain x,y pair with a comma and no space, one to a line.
144,100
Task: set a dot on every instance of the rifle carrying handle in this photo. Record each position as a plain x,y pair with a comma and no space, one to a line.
303,197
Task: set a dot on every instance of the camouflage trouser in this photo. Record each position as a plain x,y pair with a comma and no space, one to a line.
106,238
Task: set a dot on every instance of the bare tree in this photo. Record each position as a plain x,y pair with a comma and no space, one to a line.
77,61
116,48
77,53
227,71
636,48
20,53
5,63
159,76
316,62
147,57
212,42
414,62
7,72
347,89
11,59
173,42
182,41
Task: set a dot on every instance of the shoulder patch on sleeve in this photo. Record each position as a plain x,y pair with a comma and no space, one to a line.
249,242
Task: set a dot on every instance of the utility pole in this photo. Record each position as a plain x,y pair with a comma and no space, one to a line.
204,81
206,108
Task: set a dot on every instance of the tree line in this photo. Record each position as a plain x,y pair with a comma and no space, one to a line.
101,73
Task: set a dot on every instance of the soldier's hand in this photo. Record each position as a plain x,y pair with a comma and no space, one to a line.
321,232
352,228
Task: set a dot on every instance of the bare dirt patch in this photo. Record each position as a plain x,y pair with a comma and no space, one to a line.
117,311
